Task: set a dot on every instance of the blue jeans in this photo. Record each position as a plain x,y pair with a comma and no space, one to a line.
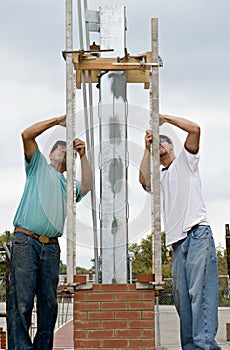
34,271
195,289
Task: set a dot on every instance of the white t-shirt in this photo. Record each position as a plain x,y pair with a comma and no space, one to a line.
181,198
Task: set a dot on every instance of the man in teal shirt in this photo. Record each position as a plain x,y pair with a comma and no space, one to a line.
39,221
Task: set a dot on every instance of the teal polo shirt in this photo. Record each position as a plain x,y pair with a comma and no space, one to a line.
42,208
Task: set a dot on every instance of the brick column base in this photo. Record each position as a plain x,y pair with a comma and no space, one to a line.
2,339
114,316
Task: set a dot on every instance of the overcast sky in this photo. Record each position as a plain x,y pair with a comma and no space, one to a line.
194,83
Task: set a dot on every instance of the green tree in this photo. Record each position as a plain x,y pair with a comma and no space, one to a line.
81,270
3,277
63,268
142,262
223,276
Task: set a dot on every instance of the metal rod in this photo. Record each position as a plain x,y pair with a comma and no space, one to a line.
6,249
80,28
157,321
71,214
88,51
89,131
87,28
227,239
136,64
155,173
92,149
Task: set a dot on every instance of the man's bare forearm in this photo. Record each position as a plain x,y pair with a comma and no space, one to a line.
182,123
144,172
86,177
38,128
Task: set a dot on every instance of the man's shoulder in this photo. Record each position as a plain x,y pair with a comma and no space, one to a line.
188,159
36,161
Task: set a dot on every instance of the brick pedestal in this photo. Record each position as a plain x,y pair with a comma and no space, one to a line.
2,339
114,316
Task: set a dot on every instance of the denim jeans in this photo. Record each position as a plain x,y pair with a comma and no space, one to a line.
195,289
34,271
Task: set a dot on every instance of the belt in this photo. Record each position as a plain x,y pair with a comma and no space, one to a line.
41,239
192,228
175,245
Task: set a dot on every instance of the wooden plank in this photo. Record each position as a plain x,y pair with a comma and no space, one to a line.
90,62
132,76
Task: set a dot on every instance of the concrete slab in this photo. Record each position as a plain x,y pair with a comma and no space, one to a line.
169,327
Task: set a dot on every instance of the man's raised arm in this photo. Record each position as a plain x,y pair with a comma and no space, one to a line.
193,138
29,134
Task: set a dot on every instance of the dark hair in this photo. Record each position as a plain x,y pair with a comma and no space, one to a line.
58,143
164,138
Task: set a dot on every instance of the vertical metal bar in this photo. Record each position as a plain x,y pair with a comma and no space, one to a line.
80,27
91,146
155,178
71,212
7,279
89,129
86,26
227,239
157,321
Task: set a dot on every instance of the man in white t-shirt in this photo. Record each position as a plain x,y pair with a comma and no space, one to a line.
188,234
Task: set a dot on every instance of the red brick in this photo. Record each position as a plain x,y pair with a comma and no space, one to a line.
87,324
115,343
80,334
141,305
100,296
96,288
114,324
80,279
145,278
228,331
114,306
128,333
88,306
101,315
100,334
131,287
114,287
128,296
142,343
80,315
131,315
79,297
87,344
141,324
147,314
148,333
148,296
